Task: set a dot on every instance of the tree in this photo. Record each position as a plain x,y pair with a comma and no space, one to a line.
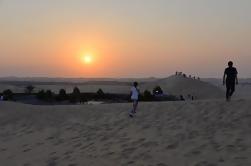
147,95
157,90
41,95
7,94
76,91
100,94
48,95
29,89
62,95
75,96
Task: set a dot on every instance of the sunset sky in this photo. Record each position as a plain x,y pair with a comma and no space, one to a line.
124,38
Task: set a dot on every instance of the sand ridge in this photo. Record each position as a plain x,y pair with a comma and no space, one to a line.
178,85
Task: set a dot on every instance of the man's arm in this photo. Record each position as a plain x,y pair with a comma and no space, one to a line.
224,78
236,78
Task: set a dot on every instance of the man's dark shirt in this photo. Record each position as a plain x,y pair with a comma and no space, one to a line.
231,73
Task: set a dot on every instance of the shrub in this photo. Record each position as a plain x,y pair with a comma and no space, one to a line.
100,94
75,95
147,95
62,95
41,95
7,94
48,95
29,89
45,95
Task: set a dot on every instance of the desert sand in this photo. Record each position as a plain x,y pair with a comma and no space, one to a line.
190,133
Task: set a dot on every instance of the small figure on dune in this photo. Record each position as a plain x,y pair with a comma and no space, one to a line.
230,80
182,98
135,98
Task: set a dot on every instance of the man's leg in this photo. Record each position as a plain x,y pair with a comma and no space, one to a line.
232,89
227,92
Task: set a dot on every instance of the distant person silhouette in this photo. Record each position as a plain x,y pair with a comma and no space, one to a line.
134,98
182,98
230,80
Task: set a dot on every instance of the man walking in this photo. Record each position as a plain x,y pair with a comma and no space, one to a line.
230,80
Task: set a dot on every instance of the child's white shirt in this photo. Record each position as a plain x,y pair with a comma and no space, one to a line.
135,93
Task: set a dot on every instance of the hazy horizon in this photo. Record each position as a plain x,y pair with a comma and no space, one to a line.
124,39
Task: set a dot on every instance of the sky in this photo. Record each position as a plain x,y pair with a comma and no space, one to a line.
124,38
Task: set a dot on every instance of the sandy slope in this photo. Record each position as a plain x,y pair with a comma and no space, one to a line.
199,133
179,85
243,89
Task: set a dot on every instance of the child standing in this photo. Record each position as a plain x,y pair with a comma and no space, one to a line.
134,98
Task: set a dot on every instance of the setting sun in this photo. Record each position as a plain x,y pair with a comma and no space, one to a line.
87,58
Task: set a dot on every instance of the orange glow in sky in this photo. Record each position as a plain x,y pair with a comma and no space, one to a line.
134,38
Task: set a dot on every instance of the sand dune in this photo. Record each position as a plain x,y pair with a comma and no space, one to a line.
199,133
243,89
179,85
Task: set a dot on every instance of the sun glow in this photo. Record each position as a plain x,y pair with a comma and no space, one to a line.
87,58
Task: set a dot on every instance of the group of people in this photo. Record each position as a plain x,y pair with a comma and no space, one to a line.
230,79
185,76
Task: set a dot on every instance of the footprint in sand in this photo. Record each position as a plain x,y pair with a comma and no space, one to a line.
27,150
51,163
39,143
74,138
3,149
110,153
149,144
146,126
50,138
130,162
72,165
205,163
139,141
172,146
30,132
127,152
52,153
162,164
